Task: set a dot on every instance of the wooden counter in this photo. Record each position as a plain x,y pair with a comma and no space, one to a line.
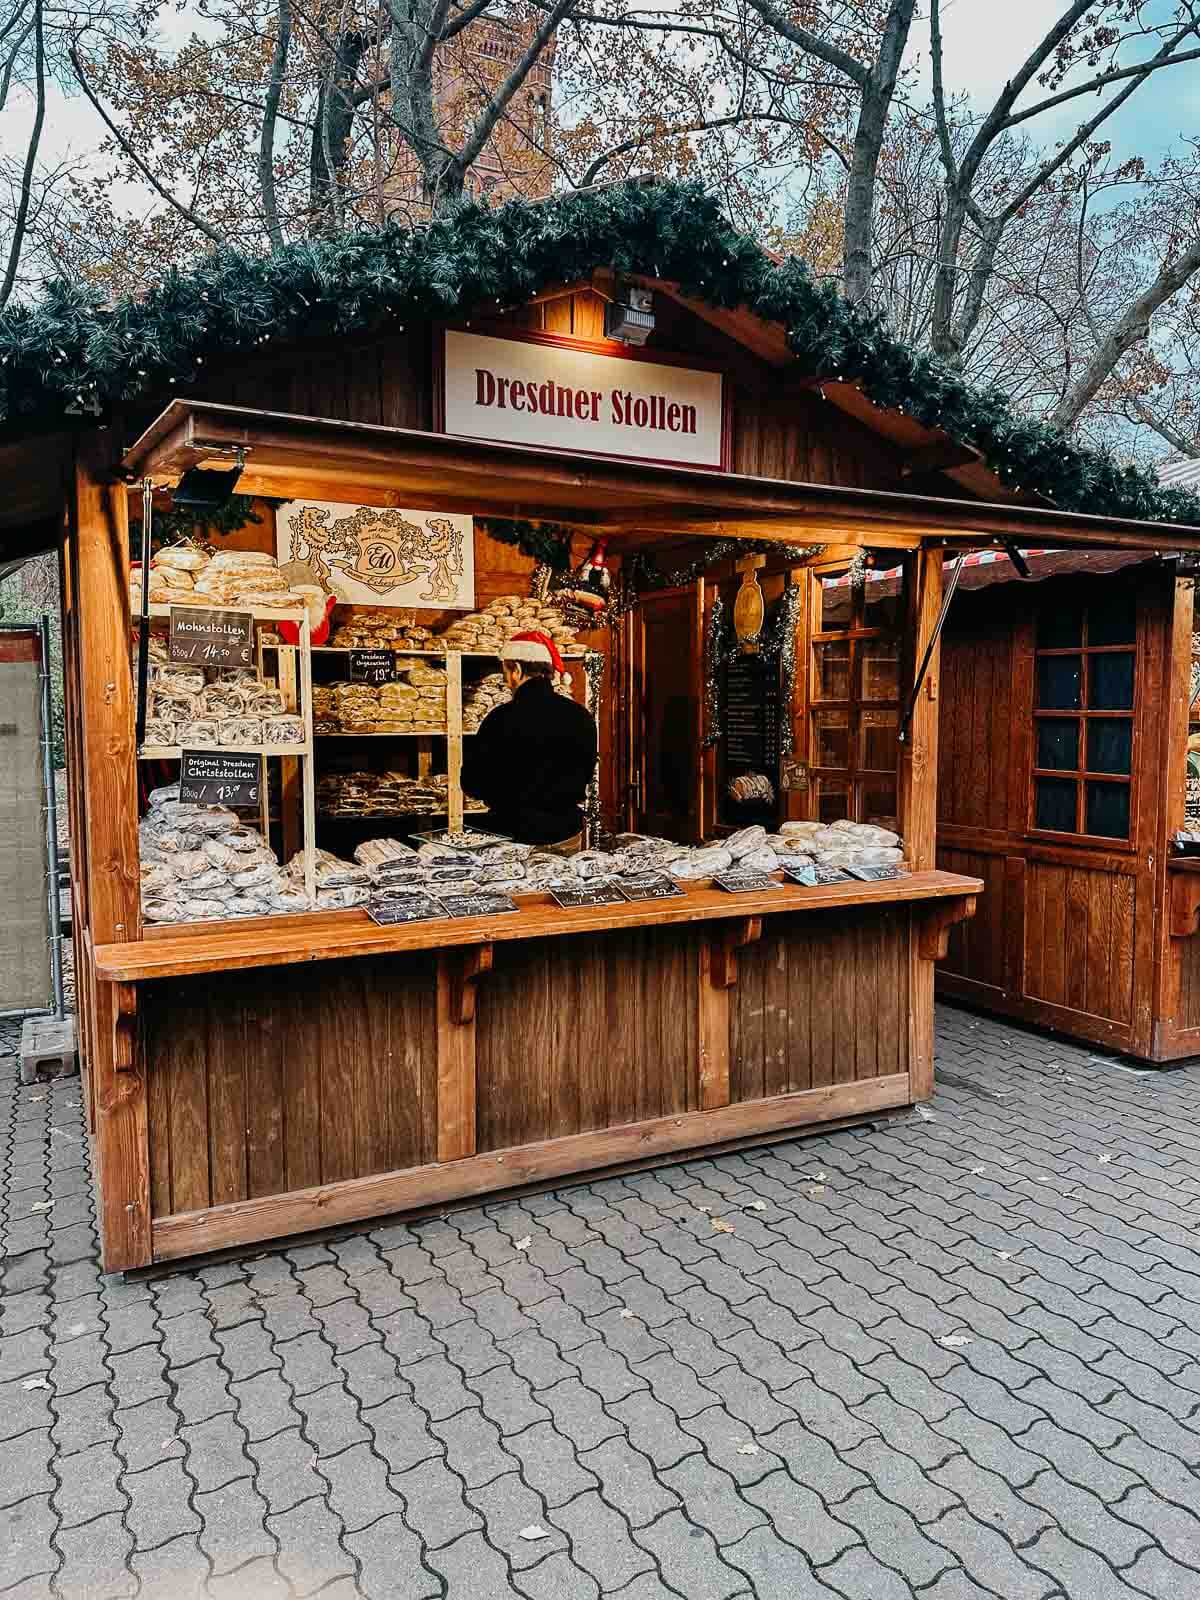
313,1071
184,950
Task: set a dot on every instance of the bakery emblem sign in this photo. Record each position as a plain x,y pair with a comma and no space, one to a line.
375,555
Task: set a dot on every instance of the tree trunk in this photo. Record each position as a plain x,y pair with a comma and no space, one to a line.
266,147
942,332
332,128
874,110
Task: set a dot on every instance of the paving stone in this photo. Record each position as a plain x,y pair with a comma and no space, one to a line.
473,1570
552,1464
690,1560
1154,1573
26,1530
989,1558
711,1499
857,1575
1078,1571
1175,1528
175,1571
94,1561
389,1557
899,1478
331,1419
359,1492
473,1448
600,1540
310,1552
628,1482
798,1516
286,1471
264,1405
233,1529
400,1432
507,1506
557,1577
653,1429
435,1506
159,1504
889,1528
88,1486
990,1499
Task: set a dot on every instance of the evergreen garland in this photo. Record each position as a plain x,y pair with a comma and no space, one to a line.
172,527
69,356
548,543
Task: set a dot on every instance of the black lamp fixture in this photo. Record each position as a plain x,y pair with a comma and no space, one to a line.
630,317
207,488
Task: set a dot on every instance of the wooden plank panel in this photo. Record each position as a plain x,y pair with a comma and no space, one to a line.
304,1088
407,988
842,1000
1100,889
746,1068
158,1131
867,955
184,1032
337,1042
777,1002
1121,958
376,1136
1075,940
1054,934
801,998
569,980
226,1065
263,1036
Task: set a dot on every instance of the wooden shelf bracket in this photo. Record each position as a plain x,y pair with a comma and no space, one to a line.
1185,903
125,1026
733,937
933,940
475,962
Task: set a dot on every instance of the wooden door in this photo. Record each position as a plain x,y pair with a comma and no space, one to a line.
667,702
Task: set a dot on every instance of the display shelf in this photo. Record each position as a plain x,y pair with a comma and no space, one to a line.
436,655
398,733
259,613
164,752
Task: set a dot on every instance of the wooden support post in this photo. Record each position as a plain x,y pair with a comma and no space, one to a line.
100,535
718,977
454,740
458,972
290,803
1184,903
918,801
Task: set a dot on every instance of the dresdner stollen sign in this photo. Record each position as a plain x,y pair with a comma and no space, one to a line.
554,393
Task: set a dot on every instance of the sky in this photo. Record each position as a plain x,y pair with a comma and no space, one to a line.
985,41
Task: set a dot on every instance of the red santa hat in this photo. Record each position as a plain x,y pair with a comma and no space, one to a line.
532,646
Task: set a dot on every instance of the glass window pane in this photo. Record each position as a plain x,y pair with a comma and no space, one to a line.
1110,744
831,671
1108,810
1113,620
833,799
880,660
1110,686
831,732
1059,683
882,598
877,803
837,604
1054,804
1058,744
877,740
1060,625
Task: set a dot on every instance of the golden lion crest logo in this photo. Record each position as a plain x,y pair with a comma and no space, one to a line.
380,549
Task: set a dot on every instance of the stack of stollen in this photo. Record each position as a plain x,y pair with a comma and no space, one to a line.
483,632
186,576
381,630
483,697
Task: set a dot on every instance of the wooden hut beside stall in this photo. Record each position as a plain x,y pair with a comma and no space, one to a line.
249,1081
1068,703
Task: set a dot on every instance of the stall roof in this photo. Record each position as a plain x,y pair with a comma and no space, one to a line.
67,359
289,457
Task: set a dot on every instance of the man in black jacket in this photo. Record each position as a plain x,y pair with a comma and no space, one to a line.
532,759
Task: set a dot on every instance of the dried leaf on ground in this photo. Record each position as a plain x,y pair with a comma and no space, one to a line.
749,1448
523,1244
954,1341
534,1531
719,1225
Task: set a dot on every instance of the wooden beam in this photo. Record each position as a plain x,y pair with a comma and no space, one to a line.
100,535
457,974
356,1199
918,798
939,457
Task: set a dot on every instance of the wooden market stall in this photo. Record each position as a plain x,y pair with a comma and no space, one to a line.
256,1078
1068,703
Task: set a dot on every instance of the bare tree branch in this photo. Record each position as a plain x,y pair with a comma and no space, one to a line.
21,221
266,148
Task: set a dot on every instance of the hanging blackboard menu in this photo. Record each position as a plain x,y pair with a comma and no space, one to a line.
387,910
211,638
654,887
373,666
752,716
595,894
220,777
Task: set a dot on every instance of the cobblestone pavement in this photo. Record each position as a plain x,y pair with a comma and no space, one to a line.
952,1356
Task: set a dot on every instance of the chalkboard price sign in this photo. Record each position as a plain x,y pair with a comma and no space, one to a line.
806,877
392,909
655,887
220,777
477,905
373,666
745,882
596,894
876,874
752,716
211,638
832,875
